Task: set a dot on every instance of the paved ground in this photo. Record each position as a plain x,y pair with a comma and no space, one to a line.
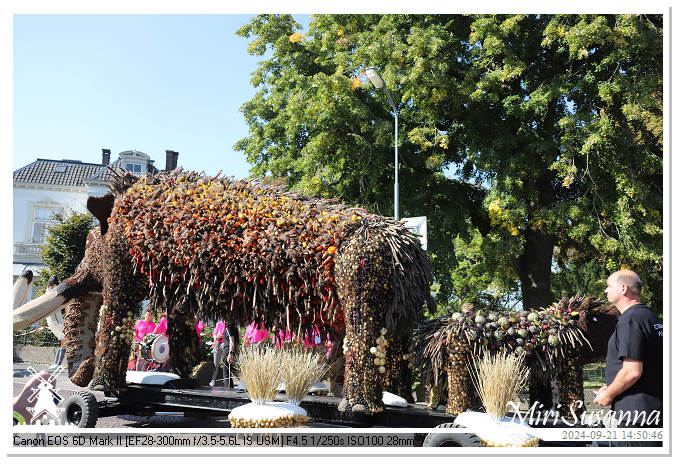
66,388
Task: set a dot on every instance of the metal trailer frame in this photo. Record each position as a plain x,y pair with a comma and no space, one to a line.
183,396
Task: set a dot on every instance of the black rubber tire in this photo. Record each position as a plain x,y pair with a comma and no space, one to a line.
452,439
80,410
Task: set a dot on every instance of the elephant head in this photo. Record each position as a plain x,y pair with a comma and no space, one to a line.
78,298
597,324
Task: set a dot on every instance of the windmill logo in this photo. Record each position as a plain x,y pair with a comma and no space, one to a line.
46,398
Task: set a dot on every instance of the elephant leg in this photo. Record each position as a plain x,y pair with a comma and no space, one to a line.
398,377
112,350
81,319
571,386
461,394
363,274
434,396
540,388
361,379
122,292
184,341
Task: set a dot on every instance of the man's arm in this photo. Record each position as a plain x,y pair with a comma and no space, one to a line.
627,376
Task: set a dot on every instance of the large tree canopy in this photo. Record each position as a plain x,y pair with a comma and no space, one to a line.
535,139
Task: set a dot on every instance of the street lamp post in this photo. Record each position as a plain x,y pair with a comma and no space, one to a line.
378,82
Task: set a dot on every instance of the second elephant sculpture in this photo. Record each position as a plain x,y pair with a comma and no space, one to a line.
240,251
556,341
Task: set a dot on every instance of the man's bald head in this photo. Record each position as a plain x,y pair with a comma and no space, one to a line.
629,278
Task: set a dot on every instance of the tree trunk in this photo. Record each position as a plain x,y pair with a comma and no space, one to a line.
535,270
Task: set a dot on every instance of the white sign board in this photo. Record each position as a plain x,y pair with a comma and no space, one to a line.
418,226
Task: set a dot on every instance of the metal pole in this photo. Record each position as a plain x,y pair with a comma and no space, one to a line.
393,106
396,166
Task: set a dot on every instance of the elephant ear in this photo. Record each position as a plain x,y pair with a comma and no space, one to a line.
101,208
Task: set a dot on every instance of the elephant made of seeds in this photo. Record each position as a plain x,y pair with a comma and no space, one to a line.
557,342
242,251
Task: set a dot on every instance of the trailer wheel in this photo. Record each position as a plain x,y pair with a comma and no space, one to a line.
80,410
452,439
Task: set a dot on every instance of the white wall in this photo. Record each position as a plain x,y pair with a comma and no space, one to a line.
24,198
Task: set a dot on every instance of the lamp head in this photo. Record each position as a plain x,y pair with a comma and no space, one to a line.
374,77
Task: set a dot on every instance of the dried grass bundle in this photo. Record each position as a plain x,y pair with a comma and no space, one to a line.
259,368
499,378
301,368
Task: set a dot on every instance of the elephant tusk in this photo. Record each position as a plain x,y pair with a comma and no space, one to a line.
20,289
37,309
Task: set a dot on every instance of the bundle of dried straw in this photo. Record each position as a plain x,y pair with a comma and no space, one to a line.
301,368
259,369
499,378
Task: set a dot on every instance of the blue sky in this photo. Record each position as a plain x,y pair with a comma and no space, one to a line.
144,82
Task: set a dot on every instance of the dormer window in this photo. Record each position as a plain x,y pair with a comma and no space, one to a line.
133,167
60,168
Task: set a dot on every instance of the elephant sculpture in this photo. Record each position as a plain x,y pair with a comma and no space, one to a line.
241,251
556,342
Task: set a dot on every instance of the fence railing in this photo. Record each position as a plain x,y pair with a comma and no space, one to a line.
594,374
40,338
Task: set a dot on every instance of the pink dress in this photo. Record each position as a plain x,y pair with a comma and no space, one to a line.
316,341
161,328
218,333
255,335
142,328
199,328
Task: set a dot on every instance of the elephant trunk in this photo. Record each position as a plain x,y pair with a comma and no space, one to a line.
55,322
80,326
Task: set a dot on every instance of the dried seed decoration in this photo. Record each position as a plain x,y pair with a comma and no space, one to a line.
249,249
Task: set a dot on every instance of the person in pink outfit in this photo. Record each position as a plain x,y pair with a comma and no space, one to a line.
253,334
199,328
144,326
307,344
161,328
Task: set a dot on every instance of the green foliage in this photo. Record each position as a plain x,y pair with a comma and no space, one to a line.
480,279
587,278
65,245
543,132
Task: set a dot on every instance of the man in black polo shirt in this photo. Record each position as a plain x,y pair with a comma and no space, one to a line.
634,359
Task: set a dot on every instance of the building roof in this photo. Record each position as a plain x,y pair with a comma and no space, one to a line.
57,172
67,172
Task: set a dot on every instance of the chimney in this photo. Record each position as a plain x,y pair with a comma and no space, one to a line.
171,160
105,156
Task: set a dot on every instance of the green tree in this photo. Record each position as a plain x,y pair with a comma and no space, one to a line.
544,132
65,245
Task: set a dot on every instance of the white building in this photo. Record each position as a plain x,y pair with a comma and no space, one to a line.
48,187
